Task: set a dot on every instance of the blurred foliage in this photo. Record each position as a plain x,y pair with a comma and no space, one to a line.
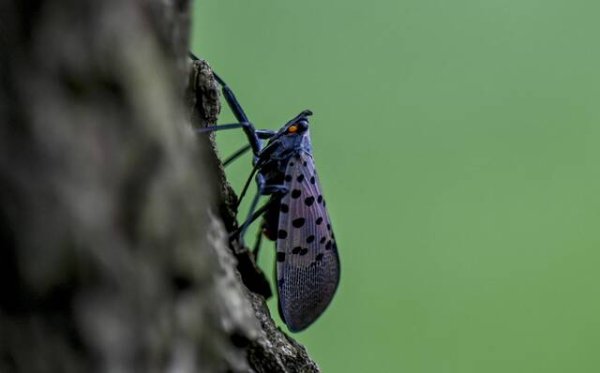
457,144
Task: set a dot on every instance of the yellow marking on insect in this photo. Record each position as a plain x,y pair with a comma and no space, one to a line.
293,128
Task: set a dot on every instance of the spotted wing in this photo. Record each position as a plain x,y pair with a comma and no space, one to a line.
308,267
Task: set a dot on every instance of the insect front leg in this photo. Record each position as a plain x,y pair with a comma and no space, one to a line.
238,112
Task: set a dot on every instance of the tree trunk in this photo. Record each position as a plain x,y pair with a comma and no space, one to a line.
114,215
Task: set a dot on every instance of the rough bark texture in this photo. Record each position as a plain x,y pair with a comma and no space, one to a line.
113,214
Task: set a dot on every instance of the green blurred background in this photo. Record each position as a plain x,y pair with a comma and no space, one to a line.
457,143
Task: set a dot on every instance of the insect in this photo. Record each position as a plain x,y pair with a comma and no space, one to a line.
295,216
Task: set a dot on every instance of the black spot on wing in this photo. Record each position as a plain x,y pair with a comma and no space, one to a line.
284,208
328,245
280,256
305,220
282,233
298,223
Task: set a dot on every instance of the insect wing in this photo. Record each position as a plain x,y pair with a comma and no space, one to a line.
308,267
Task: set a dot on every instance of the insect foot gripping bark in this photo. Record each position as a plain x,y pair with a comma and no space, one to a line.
295,215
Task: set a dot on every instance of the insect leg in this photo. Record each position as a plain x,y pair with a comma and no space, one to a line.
239,113
260,183
257,243
236,155
246,185
221,127
261,134
237,110
253,135
281,189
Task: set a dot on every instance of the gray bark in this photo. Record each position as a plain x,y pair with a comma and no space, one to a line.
114,215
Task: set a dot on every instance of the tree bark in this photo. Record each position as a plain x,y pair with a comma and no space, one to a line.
114,215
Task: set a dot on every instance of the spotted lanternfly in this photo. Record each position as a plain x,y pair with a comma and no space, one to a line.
295,217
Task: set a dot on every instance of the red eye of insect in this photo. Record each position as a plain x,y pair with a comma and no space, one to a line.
293,128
